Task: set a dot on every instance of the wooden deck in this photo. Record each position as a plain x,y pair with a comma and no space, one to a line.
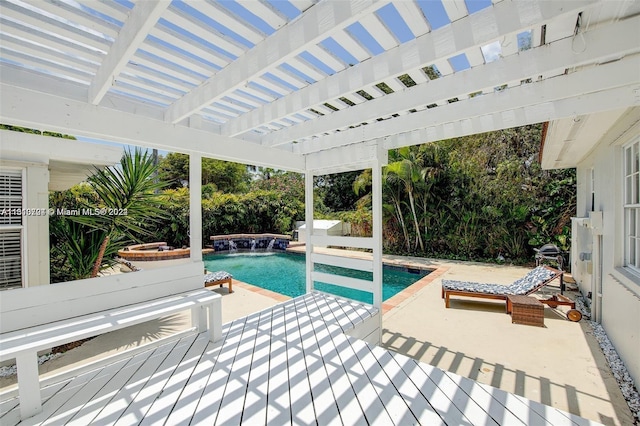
291,364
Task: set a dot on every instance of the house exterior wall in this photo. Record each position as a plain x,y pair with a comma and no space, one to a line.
618,309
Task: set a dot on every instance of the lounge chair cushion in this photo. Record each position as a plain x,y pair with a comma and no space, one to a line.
521,286
217,276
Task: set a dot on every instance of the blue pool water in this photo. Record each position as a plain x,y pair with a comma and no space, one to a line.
284,273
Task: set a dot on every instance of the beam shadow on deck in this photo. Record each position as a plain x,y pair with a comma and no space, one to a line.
289,364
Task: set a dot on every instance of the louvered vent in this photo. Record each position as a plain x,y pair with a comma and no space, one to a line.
10,197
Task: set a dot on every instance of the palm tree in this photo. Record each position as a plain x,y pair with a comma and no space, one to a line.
408,171
75,249
128,202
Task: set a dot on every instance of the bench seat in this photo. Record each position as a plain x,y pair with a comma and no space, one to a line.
219,278
24,344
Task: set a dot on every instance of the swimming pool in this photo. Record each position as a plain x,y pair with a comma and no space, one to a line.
284,273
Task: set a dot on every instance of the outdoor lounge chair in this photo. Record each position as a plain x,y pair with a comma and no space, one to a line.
219,278
530,283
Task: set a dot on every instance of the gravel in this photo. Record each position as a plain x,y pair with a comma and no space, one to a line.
11,370
618,369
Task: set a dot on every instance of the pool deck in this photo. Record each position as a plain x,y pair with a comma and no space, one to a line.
559,365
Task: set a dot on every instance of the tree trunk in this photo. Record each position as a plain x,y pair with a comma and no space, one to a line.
96,266
415,220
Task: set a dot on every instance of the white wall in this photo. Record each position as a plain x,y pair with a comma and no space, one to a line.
620,302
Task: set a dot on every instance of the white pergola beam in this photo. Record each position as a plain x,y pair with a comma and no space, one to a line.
534,96
265,11
413,17
346,158
347,42
378,31
603,42
142,19
472,31
24,107
455,9
223,16
313,26
582,104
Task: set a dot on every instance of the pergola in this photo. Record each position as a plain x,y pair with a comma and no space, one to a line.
315,87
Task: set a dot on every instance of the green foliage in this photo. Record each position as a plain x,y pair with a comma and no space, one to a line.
336,191
475,197
36,132
226,176
75,249
126,203
272,205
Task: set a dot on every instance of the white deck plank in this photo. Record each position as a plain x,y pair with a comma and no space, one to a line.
517,407
105,394
207,409
438,383
481,397
140,405
346,399
137,382
279,404
550,414
128,392
302,411
10,410
323,400
86,389
232,405
372,406
255,400
351,315
388,393
420,406
162,407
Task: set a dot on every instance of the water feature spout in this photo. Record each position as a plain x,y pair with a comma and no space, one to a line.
232,246
253,245
271,243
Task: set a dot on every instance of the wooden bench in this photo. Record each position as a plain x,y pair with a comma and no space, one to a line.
39,318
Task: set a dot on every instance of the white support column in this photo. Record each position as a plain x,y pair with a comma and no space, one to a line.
195,206
215,320
199,319
308,213
28,385
376,215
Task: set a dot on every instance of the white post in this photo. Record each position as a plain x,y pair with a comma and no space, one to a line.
199,318
376,217
28,384
195,206
215,320
308,213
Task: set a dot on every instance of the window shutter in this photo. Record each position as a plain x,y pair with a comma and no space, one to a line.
10,228
10,197
10,259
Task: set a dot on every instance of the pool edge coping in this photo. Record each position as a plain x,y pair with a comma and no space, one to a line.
387,306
